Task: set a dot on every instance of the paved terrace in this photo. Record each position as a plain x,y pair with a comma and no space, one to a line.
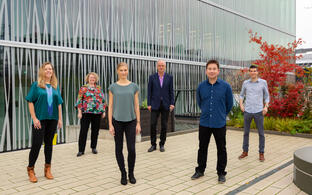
156,172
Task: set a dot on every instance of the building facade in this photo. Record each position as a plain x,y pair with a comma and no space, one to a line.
79,36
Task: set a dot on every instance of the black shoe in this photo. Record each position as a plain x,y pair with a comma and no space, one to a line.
123,180
94,151
197,175
151,149
80,154
132,178
162,148
221,179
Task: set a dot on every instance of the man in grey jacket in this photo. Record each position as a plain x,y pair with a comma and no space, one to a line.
255,91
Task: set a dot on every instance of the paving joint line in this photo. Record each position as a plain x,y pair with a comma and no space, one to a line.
260,178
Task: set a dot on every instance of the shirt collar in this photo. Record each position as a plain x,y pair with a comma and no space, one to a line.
254,82
218,81
159,75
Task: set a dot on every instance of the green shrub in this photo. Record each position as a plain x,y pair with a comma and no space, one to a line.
144,104
269,123
289,125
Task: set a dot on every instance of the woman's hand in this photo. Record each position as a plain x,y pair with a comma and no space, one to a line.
79,115
112,130
37,123
59,124
138,128
103,115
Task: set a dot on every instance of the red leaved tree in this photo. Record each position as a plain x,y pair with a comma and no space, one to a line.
275,62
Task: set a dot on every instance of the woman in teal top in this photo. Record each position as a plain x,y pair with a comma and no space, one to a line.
44,102
124,117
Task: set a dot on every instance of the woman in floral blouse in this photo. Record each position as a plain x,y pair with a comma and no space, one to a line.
91,107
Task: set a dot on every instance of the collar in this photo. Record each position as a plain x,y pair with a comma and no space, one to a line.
258,79
217,81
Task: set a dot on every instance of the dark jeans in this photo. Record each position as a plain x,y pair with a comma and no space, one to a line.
46,134
258,117
85,121
204,139
129,129
164,122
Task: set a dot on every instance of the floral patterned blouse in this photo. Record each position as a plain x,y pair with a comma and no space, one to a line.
91,100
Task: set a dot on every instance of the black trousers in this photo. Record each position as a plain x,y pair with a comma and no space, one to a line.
204,139
95,120
46,134
129,129
164,123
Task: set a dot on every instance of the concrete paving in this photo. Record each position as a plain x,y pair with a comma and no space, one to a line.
156,173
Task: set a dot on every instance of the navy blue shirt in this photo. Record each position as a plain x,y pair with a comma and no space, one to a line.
215,102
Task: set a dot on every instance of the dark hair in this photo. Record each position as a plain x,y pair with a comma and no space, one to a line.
213,62
253,66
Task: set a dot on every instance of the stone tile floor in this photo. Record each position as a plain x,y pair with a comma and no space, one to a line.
157,173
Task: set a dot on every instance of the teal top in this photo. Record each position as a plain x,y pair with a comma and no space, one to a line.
123,102
45,101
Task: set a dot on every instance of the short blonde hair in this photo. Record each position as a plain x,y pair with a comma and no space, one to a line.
41,76
94,74
122,64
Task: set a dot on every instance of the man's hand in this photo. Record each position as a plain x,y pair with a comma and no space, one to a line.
242,108
265,110
171,108
149,108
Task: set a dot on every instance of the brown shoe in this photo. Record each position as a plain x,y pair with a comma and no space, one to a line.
32,175
261,157
47,171
243,155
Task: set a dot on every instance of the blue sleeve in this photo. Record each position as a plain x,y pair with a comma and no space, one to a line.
149,91
59,100
266,93
198,98
32,94
171,93
229,99
243,91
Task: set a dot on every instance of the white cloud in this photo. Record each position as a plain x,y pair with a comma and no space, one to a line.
303,22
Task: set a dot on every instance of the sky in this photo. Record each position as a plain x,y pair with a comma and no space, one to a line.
303,22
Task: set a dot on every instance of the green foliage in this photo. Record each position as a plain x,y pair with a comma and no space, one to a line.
289,125
144,104
269,123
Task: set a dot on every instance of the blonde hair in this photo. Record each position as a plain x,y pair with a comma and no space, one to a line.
94,74
41,76
122,64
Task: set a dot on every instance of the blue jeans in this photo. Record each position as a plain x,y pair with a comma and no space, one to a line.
258,117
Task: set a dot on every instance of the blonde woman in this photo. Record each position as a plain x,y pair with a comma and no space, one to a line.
91,107
44,102
124,117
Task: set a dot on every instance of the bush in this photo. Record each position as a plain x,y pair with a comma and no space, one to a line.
289,125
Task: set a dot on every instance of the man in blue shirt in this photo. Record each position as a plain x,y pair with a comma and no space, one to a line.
215,99
256,91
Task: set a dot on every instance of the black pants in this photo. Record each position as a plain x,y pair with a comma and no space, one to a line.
46,134
204,139
164,122
129,129
95,120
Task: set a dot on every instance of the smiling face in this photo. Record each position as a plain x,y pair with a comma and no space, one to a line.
161,67
122,72
212,71
92,79
253,73
48,71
